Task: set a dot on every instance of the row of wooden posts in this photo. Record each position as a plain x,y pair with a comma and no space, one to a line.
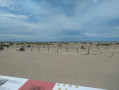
67,50
77,50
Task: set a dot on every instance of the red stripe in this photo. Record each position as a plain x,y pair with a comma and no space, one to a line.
37,85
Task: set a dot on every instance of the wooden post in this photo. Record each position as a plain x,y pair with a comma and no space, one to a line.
77,50
88,51
48,49
66,49
57,50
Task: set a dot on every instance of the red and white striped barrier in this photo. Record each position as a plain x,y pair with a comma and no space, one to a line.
13,83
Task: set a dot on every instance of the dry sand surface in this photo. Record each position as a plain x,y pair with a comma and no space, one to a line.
99,70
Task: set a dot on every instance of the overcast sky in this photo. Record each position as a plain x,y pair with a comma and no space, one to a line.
59,20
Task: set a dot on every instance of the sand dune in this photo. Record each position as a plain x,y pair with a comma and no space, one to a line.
98,69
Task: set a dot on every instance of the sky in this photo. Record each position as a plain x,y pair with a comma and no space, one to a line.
59,20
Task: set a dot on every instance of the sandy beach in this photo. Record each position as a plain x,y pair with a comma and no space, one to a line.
67,64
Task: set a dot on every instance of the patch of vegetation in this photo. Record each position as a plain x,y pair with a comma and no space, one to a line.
82,47
22,49
116,43
75,42
7,46
65,43
11,43
105,44
28,46
59,44
90,43
97,44
83,42
1,48
3,45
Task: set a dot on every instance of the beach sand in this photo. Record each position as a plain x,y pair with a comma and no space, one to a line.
99,69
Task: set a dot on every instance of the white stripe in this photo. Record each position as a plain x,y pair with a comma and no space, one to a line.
11,83
59,86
